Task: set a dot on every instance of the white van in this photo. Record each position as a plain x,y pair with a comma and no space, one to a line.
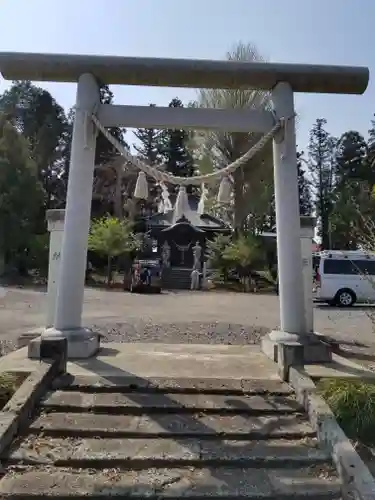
345,277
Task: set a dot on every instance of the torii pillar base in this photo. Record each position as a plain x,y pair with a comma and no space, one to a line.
309,348
82,343
288,349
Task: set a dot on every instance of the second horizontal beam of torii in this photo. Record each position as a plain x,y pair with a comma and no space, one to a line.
230,120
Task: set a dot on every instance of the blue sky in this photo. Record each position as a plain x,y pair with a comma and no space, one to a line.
304,31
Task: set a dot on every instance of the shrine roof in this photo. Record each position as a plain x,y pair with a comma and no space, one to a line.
204,221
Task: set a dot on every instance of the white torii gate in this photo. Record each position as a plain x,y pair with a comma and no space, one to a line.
281,79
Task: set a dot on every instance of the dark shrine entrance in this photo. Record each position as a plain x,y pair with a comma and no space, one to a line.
180,235
181,238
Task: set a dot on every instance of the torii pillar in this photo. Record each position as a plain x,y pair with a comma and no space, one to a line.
67,322
294,336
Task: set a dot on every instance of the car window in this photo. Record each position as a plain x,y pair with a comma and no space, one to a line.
339,266
346,266
365,266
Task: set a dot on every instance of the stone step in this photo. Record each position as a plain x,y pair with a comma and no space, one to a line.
161,425
177,282
139,453
214,483
178,275
177,279
91,383
176,285
137,403
186,281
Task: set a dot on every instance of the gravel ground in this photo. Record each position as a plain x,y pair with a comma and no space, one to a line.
181,333
178,317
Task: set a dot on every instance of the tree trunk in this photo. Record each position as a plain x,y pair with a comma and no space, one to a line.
109,270
118,208
238,219
126,262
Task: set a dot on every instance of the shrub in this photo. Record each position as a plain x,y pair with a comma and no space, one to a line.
353,404
9,383
245,254
215,253
112,237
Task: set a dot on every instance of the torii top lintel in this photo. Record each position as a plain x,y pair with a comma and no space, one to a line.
195,73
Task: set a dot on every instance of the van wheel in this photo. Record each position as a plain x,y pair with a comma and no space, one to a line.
345,298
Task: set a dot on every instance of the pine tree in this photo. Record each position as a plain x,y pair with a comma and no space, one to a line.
149,145
148,148
43,123
21,193
371,144
105,152
353,183
176,157
305,201
321,165
351,166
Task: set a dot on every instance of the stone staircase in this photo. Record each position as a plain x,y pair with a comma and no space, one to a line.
176,278
200,439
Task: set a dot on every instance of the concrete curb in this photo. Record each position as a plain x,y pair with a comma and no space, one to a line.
16,414
359,484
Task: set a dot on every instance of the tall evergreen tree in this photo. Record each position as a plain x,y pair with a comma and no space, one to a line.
149,144
304,191
105,152
371,145
174,151
305,197
21,194
321,165
149,147
43,123
353,182
351,166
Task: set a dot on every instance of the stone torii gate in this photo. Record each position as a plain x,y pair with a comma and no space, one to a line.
281,79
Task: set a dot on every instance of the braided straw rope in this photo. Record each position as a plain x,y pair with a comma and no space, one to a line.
164,177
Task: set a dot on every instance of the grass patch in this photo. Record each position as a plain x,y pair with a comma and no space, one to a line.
9,383
353,404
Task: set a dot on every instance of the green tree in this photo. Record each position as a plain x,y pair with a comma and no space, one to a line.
111,237
66,153
304,190
215,255
149,147
109,171
354,179
253,182
371,145
21,196
42,122
108,162
245,254
105,152
321,159
149,144
174,148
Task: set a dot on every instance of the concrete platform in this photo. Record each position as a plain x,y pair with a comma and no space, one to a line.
340,367
186,361
162,360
